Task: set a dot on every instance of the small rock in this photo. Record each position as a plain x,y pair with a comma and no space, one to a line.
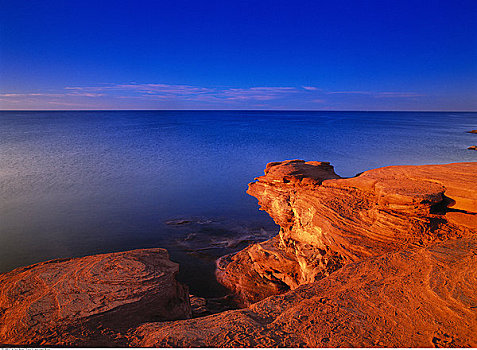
198,305
472,148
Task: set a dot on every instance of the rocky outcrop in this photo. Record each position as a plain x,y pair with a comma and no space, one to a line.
384,259
89,301
328,222
417,297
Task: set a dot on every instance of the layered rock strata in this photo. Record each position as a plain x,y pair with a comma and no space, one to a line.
417,297
328,222
89,301
385,259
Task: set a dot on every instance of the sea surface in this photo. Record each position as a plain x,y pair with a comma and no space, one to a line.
80,183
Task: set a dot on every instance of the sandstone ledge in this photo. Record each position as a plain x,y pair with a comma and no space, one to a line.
89,301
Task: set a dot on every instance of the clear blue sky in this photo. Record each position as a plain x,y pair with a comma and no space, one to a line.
175,54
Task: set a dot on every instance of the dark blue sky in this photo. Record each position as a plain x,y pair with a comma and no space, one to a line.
344,55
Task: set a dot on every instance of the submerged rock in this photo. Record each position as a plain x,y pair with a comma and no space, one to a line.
178,222
89,301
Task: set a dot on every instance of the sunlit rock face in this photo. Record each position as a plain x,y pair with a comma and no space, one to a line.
327,222
417,297
89,301
384,259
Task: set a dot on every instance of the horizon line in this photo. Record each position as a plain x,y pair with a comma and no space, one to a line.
232,110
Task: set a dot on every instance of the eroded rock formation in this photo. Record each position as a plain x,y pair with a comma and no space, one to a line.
385,259
418,297
327,222
89,301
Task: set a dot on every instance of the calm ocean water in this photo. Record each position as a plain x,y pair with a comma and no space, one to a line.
78,183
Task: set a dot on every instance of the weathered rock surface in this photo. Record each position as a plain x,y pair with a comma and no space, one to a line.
417,297
89,301
385,259
327,222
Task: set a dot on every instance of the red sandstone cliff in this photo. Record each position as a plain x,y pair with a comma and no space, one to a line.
327,222
385,259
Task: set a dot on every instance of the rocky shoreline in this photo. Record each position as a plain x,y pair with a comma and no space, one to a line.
384,259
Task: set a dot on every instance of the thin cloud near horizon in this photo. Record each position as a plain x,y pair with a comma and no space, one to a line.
189,96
